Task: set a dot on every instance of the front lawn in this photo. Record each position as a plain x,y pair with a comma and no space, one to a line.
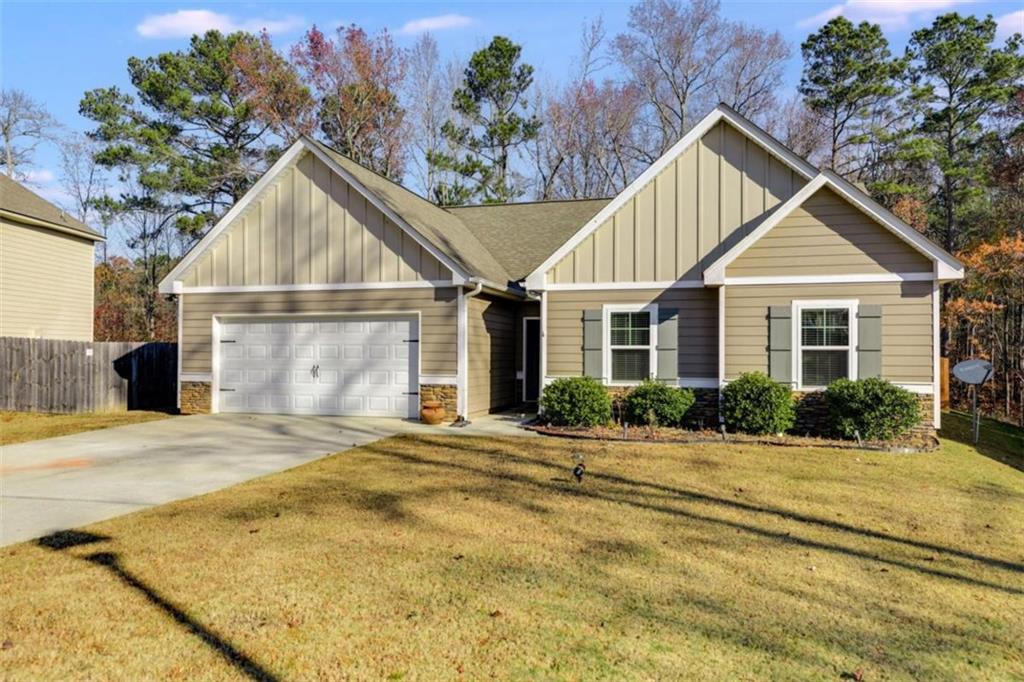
446,557
19,427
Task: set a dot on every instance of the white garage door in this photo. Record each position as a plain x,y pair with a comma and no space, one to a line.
364,366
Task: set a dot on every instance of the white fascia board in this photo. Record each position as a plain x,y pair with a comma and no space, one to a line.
536,279
832,279
167,284
459,274
627,286
340,286
714,275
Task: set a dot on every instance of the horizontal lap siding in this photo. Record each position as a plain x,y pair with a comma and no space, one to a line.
828,236
46,283
698,326
492,354
310,226
438,310
714,193
906,324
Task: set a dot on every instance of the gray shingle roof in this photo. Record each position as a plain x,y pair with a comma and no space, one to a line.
522,236
17,198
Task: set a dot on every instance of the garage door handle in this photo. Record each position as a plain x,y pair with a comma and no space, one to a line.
410,340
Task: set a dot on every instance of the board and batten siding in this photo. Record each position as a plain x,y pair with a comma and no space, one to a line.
906,324
46,283
437,308
312,227
698,326
491,353
827,235
712,195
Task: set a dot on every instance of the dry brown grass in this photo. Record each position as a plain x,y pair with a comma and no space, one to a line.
469,558
19,427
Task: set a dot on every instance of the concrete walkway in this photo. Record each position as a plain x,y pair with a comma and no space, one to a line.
71,481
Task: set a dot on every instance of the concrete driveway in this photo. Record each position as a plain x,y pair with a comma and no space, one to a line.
75,480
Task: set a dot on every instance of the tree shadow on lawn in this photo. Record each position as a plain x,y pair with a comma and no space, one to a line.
68,539
637,494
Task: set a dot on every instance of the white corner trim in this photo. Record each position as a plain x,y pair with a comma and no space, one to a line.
341,286
936,354
606,331
536,279
832,279
459,274
714,274
721,336
290,156
796,354
439,379
543,339
697,382
462,355
180,345
627,286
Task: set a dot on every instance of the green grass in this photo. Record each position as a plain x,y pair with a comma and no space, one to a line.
19,427
446,557
999,440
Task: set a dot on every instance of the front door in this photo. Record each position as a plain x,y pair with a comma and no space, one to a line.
531,359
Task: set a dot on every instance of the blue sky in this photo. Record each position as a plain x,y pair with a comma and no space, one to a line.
57,51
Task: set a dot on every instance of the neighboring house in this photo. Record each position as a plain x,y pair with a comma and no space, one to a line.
46,268
329,289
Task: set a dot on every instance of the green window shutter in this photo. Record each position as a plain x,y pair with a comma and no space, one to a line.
780,343
869,341
668,345
593,337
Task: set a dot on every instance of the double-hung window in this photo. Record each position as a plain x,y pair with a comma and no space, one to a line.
825,351
630,341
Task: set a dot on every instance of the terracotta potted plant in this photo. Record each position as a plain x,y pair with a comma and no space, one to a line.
432,412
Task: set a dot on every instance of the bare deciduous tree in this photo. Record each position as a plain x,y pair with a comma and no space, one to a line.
751,73
429,85
673,52
24,124
84,181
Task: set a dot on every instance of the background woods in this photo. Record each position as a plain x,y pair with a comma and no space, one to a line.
934,131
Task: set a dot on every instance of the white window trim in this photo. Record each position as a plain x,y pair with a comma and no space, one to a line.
796,358
606,333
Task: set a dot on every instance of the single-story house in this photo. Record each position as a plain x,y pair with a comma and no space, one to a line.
46,268
329,289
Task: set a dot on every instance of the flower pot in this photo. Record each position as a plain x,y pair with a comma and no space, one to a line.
432,412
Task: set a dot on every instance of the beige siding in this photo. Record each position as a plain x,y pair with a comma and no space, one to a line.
311,227
698,326
437,308
492,354
906,324
711,196
827,235
46,283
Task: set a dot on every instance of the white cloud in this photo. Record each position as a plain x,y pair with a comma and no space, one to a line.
186,22
889,14
1009,24
438,23
39,177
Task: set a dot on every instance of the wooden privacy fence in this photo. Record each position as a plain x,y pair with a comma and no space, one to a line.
49,375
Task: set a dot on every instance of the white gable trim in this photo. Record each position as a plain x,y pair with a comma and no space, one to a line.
946,267
172,283
537,279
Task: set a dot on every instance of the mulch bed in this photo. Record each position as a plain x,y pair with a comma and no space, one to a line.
913,442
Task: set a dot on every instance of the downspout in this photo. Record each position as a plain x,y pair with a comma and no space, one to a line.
463,350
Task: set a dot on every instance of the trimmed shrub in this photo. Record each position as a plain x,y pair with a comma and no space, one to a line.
656,404
874,408
576,401
755,403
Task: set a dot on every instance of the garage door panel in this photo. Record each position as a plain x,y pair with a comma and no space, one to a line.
362,366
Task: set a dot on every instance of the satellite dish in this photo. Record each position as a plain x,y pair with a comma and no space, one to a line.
973,371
